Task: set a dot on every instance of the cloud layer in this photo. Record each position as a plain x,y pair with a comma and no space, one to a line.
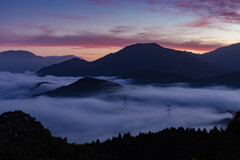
136,109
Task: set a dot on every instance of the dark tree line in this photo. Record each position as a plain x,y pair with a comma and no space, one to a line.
176,144
24,138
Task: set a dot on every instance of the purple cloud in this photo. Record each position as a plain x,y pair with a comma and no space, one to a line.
223,10
67,17
44,28
106,2
122,29
96,40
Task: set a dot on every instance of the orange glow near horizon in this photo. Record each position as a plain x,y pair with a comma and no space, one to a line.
89,54
66,28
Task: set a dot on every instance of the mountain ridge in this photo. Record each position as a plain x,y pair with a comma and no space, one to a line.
226,57
19,61
143,77
86,86
141,56
153,77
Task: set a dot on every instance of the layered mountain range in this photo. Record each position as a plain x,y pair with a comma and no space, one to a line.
131,59
21,61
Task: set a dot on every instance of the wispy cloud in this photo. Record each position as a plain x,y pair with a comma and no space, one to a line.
45,28
106,2
97,40
223,10
123,29
67,17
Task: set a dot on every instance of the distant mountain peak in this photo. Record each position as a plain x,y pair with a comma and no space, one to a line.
17,52
230,48
20,61
76,60
233,45
136,57
142,48
225,57
144,45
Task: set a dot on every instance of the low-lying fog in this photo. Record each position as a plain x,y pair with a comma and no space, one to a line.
137,108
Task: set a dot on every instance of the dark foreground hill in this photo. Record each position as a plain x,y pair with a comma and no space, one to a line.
84,87
133,58
21,61
22,137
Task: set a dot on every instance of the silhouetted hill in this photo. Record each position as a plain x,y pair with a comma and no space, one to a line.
226,57
154,77
138,57
176,144
72,67
24,138
21,61
16,54
84,87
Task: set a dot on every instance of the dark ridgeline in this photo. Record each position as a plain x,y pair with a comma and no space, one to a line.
130,59
143,77
226,57
73,67
149,76
84,87
21,61
231,79
22,137
133,58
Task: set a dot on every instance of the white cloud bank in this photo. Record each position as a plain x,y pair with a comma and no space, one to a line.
145,109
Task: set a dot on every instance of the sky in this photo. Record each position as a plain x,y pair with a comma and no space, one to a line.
93,28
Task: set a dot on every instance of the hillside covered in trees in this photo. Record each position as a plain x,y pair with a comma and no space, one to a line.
22,137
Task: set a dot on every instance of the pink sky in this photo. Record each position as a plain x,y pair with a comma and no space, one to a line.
93,28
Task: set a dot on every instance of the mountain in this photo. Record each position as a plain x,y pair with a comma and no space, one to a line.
21,61
84,87
230,79
226,57
24,138
142,77
72,67
137,57
154,77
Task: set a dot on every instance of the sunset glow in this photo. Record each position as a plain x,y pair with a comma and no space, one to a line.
93,28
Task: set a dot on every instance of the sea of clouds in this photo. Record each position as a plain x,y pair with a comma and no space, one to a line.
134,109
